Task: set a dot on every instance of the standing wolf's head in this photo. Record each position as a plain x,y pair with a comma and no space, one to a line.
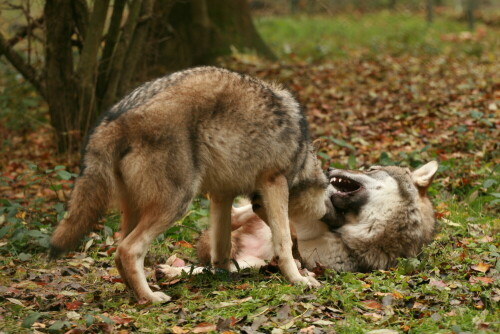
386,212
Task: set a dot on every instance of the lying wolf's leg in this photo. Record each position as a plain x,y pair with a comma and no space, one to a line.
129,213
243,263
220,230
274,190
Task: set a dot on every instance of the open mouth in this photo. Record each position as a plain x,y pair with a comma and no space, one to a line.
344,184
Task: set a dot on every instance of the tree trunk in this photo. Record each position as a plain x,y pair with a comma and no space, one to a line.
469,13
60,88
196,32
430,10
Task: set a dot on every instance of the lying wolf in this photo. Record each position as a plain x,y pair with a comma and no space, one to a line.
383,214
203,130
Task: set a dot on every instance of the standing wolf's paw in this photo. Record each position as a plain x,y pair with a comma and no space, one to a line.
157,297
308,281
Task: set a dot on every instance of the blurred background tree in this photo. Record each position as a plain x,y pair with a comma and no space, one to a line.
83,55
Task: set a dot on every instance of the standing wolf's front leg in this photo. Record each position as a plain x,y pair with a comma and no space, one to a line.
274,189
220,230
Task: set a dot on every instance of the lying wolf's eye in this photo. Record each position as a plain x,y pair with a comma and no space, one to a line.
373,168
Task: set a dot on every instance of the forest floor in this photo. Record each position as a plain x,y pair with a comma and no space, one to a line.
378,89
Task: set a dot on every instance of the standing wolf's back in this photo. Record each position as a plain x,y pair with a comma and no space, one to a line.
230,122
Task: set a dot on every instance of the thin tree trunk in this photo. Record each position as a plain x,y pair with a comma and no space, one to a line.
430,10
136,47
120,54
469,13
86,72
109,48
61,92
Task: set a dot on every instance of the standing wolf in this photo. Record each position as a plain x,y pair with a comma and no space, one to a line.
203,130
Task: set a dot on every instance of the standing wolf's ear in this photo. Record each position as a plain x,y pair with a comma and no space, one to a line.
423,176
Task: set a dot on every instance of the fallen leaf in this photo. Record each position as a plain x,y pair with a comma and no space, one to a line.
482,267
323,323
308,330
204,327
183,243
485,280
244,286
479,305
486,238
73,305
438,283
121,319
16,301
178,330
372,304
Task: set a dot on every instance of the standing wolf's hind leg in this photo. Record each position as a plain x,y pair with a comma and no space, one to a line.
154,219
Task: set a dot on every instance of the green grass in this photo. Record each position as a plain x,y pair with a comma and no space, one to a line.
320,38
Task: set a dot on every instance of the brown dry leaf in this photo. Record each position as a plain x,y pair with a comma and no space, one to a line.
485,280
482,267
183,243
438,283
373,316
178,330
73,305
486,238
479,305
397,295
308,330
121,320
372,304
204,327
244,286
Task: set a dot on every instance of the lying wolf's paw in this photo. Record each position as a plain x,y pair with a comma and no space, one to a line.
166,271
160,297
308,281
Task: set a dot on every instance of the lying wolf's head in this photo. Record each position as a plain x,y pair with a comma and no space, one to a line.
384,208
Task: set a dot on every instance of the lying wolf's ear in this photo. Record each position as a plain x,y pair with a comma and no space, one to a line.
423,176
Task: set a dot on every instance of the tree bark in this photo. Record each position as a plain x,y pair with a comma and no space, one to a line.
469,13
120,54
196,32
136,47
86,72
61,90
109,48
430,10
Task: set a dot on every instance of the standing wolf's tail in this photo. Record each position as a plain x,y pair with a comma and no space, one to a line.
90,197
